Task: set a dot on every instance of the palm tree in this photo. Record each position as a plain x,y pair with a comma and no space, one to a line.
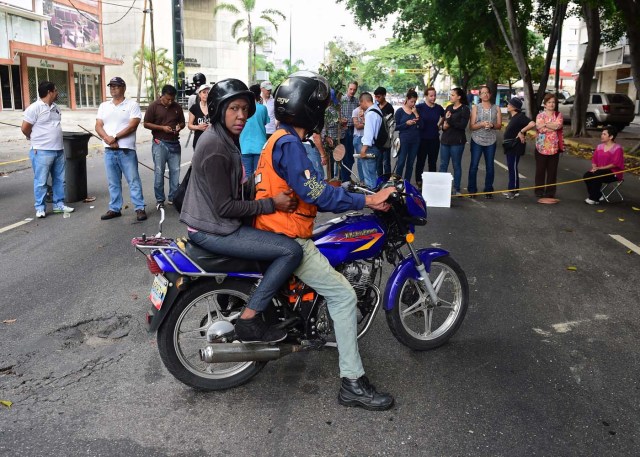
260,38
292,68
246,25
164,69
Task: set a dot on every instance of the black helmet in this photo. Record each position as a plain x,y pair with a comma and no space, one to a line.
301,100
199,79
222,92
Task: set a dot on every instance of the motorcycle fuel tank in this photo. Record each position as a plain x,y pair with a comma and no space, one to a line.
353,236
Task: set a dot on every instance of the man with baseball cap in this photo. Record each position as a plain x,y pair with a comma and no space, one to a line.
267,100
116,123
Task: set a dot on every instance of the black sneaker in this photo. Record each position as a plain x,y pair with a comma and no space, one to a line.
256,330
110,215
360,392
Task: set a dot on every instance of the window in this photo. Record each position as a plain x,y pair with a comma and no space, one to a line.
596,99
25,30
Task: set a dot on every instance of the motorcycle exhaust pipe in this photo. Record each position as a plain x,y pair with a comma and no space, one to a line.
240,352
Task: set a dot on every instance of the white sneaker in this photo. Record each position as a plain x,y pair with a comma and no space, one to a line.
63,209
588,201
40,214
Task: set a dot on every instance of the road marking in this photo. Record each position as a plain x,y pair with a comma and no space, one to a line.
185,164
13,161
625,242
507,168
17,224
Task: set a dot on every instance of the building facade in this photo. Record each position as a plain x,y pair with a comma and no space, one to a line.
207,44
58,41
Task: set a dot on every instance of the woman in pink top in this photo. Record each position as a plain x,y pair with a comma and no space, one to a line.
607,158
548,123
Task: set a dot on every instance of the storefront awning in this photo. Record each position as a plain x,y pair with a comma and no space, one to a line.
54,52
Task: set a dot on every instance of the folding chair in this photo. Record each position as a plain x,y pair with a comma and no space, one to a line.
610,188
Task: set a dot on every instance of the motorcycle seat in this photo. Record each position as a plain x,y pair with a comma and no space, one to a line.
217,263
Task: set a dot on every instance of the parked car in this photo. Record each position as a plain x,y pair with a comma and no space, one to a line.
604,109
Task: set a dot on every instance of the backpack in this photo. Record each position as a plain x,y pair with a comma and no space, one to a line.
385,134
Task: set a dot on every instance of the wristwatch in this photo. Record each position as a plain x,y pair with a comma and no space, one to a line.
115,136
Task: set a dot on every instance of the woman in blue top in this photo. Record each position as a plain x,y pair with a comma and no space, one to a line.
408,124
254,134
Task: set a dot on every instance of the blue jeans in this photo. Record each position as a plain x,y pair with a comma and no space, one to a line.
253,244
314,156
250,162
406,157
428,153
118,162
348,156
370,167
477,152
165,153
44,162
512,164
453,152
316,271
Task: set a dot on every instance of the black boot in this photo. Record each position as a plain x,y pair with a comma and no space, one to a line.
359,392
255,330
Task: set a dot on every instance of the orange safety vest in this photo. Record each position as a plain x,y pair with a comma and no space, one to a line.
298,224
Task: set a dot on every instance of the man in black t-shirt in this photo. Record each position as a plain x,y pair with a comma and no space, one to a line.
384,159
516,129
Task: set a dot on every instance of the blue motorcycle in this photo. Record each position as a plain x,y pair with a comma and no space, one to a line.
196,296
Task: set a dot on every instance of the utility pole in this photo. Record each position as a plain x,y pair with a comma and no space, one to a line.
144,23
154,75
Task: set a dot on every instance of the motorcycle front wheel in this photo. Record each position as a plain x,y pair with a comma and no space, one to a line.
420,324
184,332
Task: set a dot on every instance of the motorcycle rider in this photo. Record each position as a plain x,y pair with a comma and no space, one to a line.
300,102
214,206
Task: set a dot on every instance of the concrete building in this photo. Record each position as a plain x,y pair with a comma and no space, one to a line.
54,40
208,46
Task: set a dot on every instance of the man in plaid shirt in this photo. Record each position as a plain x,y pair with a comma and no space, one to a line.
349,103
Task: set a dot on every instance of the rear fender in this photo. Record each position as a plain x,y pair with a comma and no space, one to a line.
407,269
155,317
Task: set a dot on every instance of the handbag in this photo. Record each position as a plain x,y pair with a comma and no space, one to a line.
540,141
510,143
178,197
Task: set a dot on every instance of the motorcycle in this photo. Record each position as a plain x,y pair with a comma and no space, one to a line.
196,296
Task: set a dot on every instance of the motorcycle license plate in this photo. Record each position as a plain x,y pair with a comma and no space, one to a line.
158,291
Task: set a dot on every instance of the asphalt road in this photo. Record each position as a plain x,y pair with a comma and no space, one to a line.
546,362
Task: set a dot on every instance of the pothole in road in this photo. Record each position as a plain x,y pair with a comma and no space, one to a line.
94,332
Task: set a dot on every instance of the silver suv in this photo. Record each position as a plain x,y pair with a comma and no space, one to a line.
603,109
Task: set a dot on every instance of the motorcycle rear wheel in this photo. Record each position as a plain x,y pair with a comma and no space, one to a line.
183,334
419,324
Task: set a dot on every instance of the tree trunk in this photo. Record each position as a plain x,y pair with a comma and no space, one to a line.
144,22
586,72
631,16
558,20
513,39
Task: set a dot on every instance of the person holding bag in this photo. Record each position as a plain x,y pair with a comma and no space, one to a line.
514,143
548,123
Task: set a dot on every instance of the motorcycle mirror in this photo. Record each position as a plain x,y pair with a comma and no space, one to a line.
339,152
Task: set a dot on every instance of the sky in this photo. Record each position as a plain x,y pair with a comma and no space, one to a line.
315,23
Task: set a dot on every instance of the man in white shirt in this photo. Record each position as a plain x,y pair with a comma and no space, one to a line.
42,125
267,100
116,123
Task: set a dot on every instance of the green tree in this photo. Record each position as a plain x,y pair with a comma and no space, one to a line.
164,68
246,25
260,38
342,56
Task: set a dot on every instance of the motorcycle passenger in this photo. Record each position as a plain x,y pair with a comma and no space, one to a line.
214,207
300,104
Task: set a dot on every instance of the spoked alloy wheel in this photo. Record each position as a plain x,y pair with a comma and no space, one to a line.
183,334
419,323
